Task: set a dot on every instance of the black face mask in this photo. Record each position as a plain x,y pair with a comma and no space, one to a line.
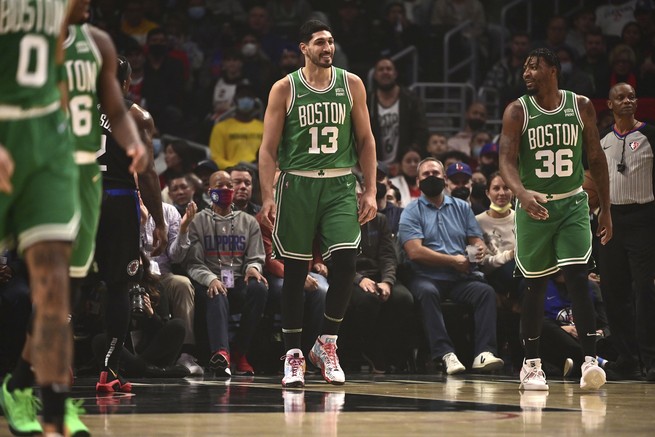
432,186
475,123
158,50
461,193
381,191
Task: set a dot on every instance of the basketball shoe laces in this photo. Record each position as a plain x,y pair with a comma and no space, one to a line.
534,373
296,364
330,358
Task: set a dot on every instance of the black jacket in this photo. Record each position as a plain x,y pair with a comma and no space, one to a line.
377,260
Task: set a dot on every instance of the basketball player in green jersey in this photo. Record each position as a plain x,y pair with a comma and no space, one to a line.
541,161
317,126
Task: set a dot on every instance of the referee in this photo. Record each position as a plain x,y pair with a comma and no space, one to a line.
627,262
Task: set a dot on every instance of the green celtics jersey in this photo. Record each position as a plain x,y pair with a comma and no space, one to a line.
83,63
318,131
28,41
550,154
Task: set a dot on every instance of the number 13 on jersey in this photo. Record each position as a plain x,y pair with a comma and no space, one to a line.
325,141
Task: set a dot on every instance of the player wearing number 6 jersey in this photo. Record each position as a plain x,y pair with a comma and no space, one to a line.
317,126
541,161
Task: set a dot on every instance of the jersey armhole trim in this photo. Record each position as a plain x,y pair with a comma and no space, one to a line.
525,115
576,109
292,101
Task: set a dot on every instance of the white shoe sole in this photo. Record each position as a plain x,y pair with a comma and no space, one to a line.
489,366
533,387
456,370
593,378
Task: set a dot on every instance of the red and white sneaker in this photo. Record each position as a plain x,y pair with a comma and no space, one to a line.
219,363
294,369
324,356
111,382
243,367
532,377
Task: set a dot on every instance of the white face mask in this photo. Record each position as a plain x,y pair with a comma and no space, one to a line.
249,49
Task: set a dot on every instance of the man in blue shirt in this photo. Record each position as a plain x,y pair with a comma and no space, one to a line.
434,232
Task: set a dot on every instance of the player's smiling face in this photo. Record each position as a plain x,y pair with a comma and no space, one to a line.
320,49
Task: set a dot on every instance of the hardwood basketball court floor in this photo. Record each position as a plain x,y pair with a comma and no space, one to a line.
389,405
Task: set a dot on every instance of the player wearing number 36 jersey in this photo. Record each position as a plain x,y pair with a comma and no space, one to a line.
541,161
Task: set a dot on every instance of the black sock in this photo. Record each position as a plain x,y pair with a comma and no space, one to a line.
23,376
54,401
293,302
577,285
340,277
117,321
532,315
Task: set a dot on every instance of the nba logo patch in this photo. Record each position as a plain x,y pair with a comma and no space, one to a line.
634,145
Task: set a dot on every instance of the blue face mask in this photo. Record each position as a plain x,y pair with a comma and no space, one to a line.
245,104
221,196
196,12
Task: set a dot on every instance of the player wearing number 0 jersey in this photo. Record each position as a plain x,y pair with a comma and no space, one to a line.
541,161
317,126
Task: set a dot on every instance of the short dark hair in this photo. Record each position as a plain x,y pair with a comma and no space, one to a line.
123,70
241,167
548,56
309,28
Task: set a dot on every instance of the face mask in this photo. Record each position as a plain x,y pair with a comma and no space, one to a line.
500,209
158,50
475,123
461,193
196,12
567,67
249,49
432,186
381,191
487,169
475,152
221,196
245,104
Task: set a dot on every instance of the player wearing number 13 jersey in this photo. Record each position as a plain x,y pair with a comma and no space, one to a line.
317,126
541,161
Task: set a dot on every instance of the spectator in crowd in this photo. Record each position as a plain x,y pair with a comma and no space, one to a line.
459,181
352,28
633,36
644,17
386,201
582,23
594,61
225,10
287,16
258,69
163,83
137,59
453,156
180,42
180,159
134,22
613,16
488,159
259,22
437,145
475,119
182,190
434,233
397,116
177,289
290,60
204,169
203,26
627,262
226,85
395,32
226,260
380,312
556,33
159,339
478,140
561,351
623,63
506,75
406,180
242,180
571,77
236,139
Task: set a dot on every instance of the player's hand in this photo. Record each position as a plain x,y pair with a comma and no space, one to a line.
531,202
384,291
269,212
311,284
253,273
604,226
6,170
159,240
368,207
139,157
461,263
215,288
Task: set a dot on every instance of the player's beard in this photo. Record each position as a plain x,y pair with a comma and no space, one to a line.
317,60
